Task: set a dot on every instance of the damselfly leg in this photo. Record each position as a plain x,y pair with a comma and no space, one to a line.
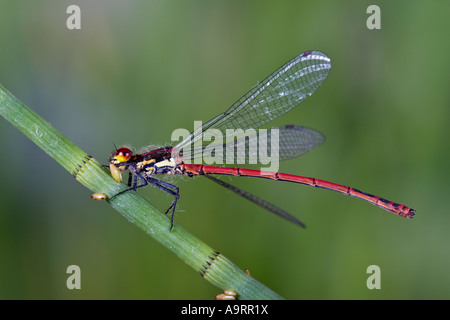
146,180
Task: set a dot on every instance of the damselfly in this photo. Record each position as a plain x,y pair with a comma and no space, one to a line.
280,92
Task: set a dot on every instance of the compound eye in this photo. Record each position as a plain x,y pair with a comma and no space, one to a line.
123,154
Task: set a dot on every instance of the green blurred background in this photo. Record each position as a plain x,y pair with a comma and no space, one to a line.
137,70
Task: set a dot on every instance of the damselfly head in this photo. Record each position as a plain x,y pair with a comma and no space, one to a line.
118,157
121,155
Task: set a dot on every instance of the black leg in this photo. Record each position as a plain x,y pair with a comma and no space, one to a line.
130,177
165,186
169,188
135,184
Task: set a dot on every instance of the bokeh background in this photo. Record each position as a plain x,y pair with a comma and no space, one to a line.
137,70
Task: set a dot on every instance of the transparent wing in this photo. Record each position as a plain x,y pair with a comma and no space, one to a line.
257,200
280,92
290,141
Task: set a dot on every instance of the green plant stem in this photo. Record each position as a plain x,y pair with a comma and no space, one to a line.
211,265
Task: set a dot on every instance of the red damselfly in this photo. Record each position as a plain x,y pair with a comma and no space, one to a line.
280,92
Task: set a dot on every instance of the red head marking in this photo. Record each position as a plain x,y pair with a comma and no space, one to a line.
123,154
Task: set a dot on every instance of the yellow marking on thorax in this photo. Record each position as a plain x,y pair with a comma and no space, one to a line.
166,163
142,164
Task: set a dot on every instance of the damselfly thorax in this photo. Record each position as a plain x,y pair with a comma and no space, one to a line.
158,161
